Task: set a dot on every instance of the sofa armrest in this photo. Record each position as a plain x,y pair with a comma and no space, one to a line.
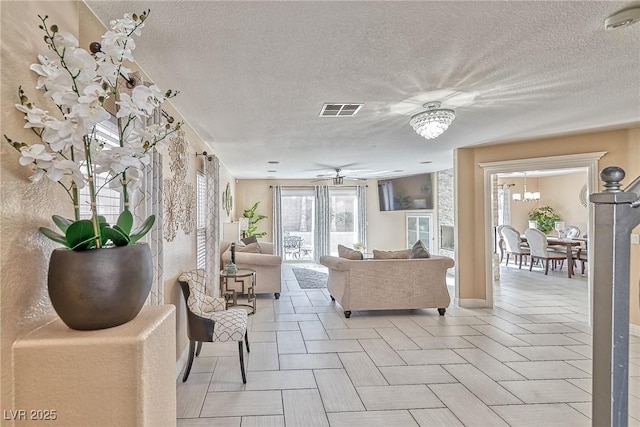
266,248
335,263
246,258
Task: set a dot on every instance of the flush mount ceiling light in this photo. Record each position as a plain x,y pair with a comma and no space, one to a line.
623,18
432,122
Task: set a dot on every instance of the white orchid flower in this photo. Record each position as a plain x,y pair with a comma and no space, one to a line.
89,114
126,25
38,174
60,168
117,160
35,117
62,39
144,98
33,153
127,107
132,181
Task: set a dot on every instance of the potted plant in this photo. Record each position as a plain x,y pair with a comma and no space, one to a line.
253,218
102,277
545,218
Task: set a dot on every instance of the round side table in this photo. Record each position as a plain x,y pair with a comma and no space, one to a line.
244,282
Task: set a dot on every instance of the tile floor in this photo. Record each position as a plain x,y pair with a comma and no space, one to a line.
525,362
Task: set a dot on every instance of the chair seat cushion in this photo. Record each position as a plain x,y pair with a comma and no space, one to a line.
230,325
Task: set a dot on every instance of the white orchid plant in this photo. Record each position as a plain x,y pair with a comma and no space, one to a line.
68,151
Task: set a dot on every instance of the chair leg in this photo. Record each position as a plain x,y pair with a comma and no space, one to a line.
531,263
244,376
507,261
192,350
520,266
583,263
246,341
199,348
546,266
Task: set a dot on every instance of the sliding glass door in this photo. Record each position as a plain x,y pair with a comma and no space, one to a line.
343,229
313,218
297,206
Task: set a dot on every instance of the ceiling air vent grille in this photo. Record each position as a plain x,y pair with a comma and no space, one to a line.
340,110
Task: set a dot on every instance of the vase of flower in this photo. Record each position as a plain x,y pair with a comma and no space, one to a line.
103,277
101,288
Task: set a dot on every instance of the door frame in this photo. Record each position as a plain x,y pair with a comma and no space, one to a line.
583,160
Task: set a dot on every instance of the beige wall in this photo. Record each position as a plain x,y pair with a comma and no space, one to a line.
24,303
385,230
622,150
561,192
24,253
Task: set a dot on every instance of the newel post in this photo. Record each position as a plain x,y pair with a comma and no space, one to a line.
617,212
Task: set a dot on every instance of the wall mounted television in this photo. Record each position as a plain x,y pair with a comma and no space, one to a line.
414,192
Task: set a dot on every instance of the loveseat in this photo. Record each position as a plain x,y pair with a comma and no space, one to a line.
383,284
268,267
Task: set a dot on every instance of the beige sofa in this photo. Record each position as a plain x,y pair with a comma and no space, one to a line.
268,267
383,284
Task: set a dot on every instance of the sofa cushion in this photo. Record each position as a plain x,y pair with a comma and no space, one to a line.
348,253
253,248
249,240
419,250
402,254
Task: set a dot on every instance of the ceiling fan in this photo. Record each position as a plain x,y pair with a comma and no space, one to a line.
338,179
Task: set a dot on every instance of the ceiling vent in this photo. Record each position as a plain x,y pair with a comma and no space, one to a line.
340,110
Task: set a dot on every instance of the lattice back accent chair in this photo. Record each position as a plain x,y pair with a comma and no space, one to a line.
209,320
538,245
514,244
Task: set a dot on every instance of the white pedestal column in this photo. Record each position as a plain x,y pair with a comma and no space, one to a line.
121,376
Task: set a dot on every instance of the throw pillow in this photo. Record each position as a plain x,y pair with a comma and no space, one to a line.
348,253
419,251
402,254
249,240
253,248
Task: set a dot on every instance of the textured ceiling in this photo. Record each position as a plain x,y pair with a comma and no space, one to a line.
253,77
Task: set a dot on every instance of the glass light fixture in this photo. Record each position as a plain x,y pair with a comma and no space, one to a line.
433,122
528,195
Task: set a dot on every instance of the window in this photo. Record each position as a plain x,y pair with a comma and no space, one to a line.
201,220
108,201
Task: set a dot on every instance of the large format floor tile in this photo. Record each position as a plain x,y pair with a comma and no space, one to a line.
524,362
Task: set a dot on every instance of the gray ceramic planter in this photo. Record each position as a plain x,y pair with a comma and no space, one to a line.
100,288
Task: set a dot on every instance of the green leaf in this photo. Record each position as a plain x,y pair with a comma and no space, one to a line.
56,237
139,233
102,220
79,234
61,222
84,245
117,236
125,222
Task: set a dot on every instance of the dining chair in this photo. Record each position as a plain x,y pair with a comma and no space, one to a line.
539,250
572,232
514,245
208,320
581,255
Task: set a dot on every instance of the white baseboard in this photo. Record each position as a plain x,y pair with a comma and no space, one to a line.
634,329
182,360
472,303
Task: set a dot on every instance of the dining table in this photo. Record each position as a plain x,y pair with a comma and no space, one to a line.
568,243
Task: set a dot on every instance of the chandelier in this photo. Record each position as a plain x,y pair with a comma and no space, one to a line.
431,123
528,195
